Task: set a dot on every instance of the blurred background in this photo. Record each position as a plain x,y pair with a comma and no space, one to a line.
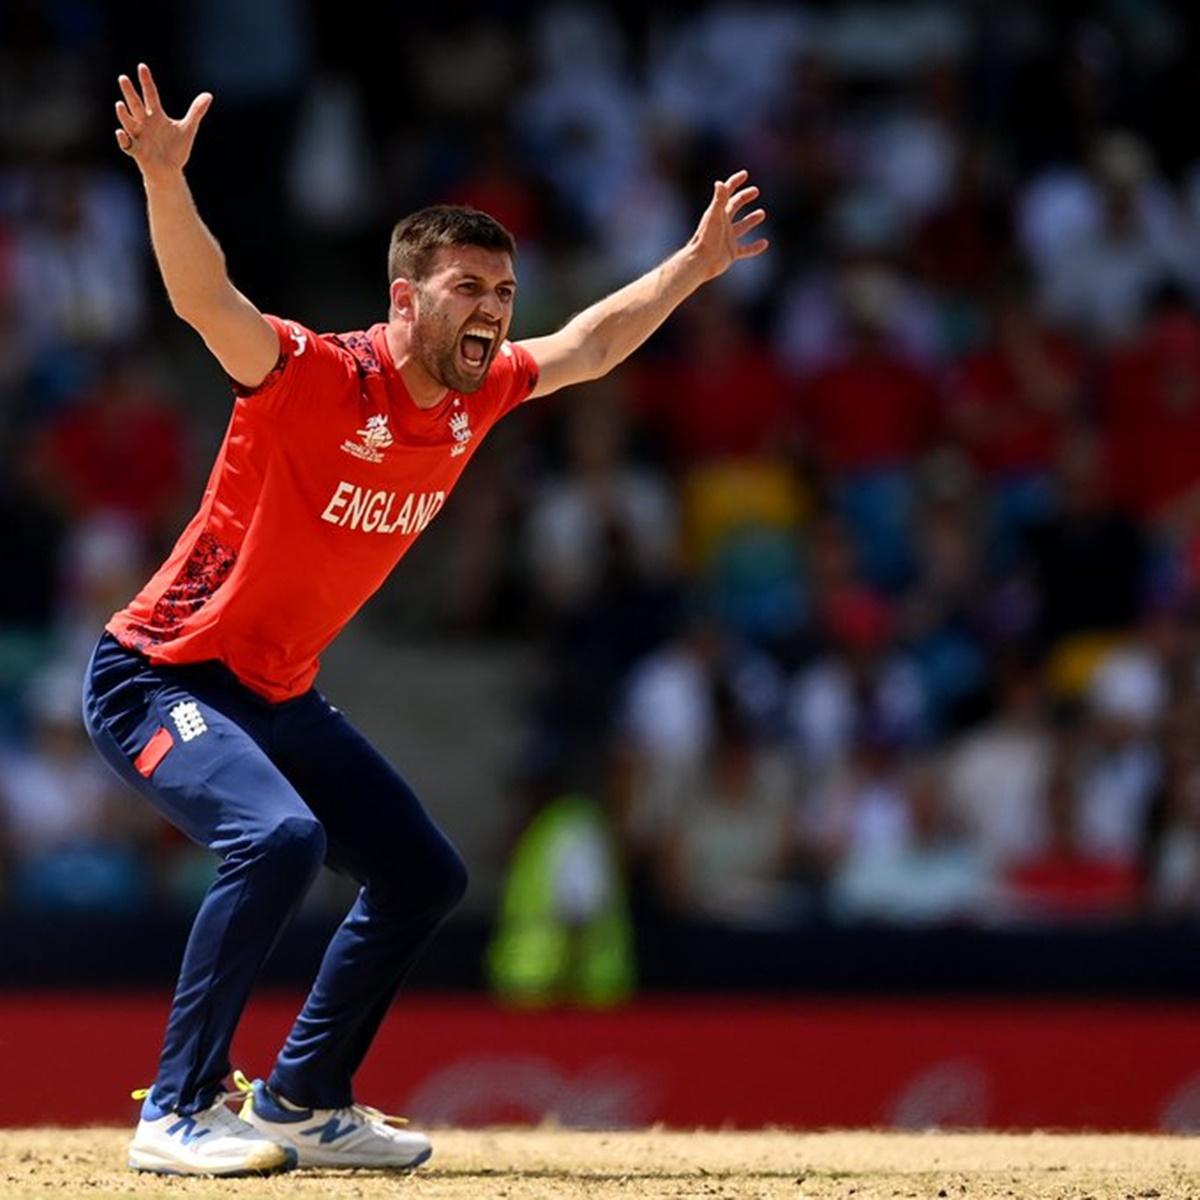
844,642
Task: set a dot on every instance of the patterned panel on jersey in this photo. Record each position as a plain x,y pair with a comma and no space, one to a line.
361,349
240,389
207,567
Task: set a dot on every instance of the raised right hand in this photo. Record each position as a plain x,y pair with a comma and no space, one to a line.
158,143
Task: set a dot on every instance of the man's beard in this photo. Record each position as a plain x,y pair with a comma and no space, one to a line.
436,347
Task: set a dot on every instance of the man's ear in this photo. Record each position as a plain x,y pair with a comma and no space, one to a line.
403,298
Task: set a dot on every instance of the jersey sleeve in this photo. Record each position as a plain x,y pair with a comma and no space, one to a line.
516,375
306,365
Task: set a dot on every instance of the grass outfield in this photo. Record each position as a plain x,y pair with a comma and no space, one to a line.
520,1164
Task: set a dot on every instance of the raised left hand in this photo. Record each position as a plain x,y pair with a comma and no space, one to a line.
717,240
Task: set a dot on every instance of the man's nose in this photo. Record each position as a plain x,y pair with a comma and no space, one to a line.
490,308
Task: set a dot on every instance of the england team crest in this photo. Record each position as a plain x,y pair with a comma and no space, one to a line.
460,426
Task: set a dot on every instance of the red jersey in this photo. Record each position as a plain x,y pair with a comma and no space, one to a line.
327,474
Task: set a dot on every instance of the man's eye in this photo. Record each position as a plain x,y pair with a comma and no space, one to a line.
466,287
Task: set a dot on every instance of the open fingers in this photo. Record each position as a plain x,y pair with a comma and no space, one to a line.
740,200
132,99
736,180
149,89
749,222
129,122
751,249
124,141
197,109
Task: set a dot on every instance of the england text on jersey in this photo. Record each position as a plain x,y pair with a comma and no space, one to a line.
354,507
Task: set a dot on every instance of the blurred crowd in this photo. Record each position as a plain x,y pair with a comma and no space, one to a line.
868,591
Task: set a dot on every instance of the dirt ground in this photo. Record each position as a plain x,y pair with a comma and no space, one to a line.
528,1164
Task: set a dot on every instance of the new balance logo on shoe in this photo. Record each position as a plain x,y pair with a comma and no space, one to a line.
330,1131
186,1128
354,1136
188,720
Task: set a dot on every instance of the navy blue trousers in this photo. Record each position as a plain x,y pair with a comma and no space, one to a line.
275,790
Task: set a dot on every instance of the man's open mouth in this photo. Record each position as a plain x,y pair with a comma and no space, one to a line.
476,344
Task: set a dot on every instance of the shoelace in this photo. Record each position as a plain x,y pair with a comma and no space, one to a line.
365,1112
362,1112
223,1117
221,1097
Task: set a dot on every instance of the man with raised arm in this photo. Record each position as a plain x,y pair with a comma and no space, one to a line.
341,449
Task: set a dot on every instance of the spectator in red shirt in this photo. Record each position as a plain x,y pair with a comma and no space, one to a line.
868,415
870,407
1151,417
120,448
724,396
1012,401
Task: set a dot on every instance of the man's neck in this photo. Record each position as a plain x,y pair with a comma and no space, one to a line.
426,392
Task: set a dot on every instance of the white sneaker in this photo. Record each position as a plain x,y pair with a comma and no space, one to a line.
211,1142
357,1136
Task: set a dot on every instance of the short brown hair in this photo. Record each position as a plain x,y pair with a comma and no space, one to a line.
417,237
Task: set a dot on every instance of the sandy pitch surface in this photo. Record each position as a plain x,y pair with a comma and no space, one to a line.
528,1164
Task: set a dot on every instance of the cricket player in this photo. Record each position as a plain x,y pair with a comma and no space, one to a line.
341,449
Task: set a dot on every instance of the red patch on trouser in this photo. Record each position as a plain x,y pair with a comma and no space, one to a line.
153,752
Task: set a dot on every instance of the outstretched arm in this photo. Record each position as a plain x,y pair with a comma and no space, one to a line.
594,341
191,262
